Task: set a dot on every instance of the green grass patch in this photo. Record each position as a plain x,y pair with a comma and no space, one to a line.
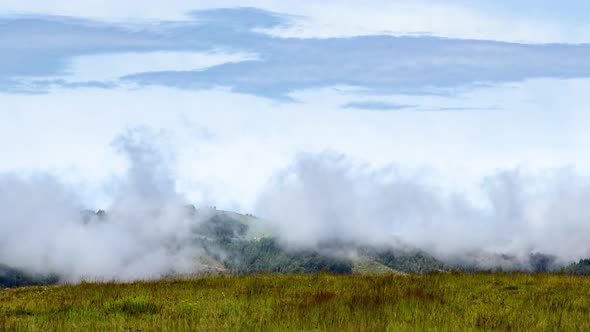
132,306
322,302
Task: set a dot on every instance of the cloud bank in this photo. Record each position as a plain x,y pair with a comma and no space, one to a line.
147,232
328,197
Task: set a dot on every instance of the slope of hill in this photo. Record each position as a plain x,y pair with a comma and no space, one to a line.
366,265
251,248
243,244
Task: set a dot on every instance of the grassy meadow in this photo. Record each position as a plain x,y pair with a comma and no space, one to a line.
435,302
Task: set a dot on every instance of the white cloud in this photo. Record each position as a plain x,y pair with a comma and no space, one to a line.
327,19
229,144
328,197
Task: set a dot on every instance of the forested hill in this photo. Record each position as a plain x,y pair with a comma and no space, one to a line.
11,277
241,244
580,268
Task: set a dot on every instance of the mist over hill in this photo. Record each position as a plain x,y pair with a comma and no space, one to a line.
323,213
232,243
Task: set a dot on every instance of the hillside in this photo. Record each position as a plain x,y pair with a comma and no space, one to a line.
240,244
249,247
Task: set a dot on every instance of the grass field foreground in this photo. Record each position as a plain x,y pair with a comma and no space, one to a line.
440,301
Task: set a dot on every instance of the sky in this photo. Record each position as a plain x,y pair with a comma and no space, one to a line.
235,92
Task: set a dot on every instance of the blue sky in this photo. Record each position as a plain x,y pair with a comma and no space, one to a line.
453,90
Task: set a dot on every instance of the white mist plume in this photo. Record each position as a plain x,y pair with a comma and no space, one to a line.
146,234
148,231
326,197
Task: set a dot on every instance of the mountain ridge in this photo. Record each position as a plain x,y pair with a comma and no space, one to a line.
235,243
